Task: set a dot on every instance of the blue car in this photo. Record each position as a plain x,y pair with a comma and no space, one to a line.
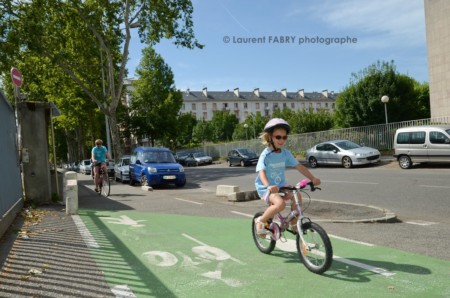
155,166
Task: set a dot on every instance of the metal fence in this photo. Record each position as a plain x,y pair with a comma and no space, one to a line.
10,182
379,136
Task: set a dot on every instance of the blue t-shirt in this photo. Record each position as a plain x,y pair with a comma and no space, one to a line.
275,166
99,153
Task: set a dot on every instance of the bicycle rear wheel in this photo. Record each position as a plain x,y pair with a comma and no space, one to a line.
315,251
265,245
106,185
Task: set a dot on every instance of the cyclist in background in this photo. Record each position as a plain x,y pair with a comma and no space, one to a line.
271,168
99,157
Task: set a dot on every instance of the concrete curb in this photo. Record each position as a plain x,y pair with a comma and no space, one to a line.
387,216
382,215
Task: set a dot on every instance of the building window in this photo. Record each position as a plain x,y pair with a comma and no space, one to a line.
266,105
292,105
310,105
284,105
318,105
245,105
236,105
275,106
214,107
193,107
225,106
257,105
303,105
326,104
205,115
204,106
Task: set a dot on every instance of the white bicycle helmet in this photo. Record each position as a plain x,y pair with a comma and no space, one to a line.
277,123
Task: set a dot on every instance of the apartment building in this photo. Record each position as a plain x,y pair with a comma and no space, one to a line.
203,104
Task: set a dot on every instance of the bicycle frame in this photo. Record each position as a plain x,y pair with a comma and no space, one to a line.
295,213
312,242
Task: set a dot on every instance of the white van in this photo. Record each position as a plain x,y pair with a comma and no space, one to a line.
429,143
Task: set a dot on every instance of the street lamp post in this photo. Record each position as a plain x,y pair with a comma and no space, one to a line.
385,100
246,136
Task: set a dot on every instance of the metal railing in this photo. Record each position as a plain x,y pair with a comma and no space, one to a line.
380,136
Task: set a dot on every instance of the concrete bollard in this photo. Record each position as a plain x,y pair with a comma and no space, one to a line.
71,192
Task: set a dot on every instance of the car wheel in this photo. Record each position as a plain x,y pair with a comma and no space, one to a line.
312,162
131,180
242,163
404,162
347,162
229,163
144,181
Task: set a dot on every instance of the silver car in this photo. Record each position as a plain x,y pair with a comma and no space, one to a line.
122,169
341,152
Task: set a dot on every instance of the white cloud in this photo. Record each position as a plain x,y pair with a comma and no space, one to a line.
380,23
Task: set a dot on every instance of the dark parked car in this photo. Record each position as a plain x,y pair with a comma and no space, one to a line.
242,156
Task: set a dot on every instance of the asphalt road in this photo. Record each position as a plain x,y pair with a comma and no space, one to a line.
419,197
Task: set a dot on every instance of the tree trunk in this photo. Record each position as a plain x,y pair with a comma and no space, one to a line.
115,136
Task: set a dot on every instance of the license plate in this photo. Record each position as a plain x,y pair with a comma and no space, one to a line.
169,177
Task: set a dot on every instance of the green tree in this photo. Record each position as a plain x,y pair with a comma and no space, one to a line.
73,34
155,102
203,132
185,126
223,124
359,104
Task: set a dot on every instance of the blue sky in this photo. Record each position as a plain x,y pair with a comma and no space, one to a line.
373,30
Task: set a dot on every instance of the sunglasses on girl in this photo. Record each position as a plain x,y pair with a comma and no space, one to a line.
281,137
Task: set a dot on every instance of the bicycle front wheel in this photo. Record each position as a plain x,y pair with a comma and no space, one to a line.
314,248
106,185
264,243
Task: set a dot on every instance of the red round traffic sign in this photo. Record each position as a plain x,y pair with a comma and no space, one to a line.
16,77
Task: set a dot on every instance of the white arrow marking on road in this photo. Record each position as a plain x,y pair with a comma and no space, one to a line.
125,220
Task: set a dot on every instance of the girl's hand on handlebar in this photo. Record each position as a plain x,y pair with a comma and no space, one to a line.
273,189
316,181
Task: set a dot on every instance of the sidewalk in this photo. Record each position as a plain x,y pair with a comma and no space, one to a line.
43,253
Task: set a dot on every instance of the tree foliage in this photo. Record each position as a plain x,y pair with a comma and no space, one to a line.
71,35
360,103
223,124
156,102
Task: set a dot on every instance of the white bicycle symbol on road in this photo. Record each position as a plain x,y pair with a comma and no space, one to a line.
205,254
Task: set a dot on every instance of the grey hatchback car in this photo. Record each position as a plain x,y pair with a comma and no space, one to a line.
341,152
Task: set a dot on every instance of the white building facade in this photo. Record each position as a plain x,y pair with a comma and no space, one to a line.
203,104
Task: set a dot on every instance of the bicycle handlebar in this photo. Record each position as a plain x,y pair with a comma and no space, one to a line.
301,185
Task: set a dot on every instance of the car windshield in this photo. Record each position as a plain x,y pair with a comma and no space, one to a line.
199,154
158,157
126,161
347,145
245,151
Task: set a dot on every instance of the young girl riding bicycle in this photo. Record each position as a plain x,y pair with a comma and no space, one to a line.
271,168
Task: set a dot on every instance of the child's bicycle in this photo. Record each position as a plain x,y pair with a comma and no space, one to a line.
312,242
104,183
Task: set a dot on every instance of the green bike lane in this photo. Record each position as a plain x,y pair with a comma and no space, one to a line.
166,255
